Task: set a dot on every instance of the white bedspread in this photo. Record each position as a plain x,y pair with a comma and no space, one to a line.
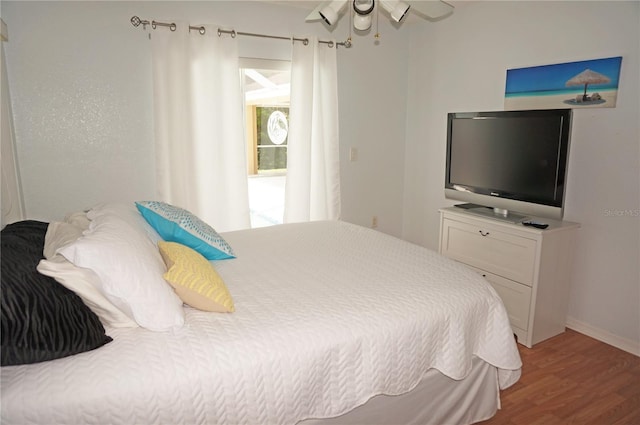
328,314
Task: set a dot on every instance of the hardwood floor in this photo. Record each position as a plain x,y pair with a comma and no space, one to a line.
573,379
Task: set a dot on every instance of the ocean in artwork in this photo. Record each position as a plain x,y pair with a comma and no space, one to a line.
584,84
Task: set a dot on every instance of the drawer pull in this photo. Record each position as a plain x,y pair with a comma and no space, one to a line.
483,233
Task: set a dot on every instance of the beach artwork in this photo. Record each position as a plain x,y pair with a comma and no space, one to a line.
584,84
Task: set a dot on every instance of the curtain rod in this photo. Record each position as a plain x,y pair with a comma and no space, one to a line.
136,21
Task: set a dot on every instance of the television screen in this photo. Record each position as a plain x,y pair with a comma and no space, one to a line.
510,155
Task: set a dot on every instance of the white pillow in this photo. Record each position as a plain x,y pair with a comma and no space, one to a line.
83,282
119,249
78,219
128,213
60,234
86,284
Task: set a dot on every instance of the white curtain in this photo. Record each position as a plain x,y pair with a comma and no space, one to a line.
199,129
12,200
312,190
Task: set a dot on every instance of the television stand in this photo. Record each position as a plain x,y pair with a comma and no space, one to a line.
495,213
529,268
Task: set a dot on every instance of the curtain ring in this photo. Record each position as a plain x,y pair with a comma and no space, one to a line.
219,33
202,30
233,33
153,24
172,26
305,41
330,44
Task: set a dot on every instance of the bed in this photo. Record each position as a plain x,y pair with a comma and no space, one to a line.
331,323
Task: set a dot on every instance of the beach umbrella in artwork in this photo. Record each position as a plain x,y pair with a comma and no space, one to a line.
587,77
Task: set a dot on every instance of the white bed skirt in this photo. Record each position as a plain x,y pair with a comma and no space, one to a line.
436,400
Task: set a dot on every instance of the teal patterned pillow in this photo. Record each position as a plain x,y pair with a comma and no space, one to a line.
175,224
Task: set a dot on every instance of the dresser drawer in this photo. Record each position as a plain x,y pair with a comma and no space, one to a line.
508,255
515,297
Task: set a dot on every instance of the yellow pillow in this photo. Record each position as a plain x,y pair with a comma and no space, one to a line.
194,279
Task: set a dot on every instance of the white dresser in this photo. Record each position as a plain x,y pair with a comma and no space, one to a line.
529,268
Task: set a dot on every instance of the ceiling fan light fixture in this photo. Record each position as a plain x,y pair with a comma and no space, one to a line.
331,12
396,8
363,7
362,22
329,15
362,18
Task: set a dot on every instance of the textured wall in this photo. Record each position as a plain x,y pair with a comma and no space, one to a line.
83,125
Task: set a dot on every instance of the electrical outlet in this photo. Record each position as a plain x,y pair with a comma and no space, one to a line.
374,221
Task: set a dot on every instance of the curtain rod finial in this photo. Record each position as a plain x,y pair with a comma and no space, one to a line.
136,21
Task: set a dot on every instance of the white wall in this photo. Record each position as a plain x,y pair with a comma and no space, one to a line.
372,120
82,122
463,68
80,78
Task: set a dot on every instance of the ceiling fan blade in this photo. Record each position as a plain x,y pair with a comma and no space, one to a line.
431,9
315,14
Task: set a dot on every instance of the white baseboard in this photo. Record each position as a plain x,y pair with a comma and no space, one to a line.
625,344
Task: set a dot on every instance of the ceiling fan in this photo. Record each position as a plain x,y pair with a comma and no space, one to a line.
362,10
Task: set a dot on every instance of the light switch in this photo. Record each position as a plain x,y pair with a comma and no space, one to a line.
353,154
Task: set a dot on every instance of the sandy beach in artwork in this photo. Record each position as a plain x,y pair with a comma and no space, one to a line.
558,101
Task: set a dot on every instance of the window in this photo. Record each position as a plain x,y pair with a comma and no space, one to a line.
266,85
272,128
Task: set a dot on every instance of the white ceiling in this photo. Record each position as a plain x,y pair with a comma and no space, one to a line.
304,4
311,4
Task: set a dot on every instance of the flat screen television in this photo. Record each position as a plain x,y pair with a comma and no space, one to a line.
508,164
